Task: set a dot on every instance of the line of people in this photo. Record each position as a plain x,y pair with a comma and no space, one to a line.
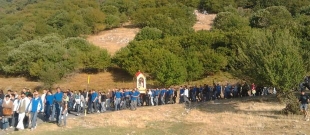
20,111
217,91
55,107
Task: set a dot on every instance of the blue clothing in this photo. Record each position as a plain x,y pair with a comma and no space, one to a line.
93,96
181,91
135,95
170,92
118,94
218,89
153,93
208,89
194,90
35,105
49,99
126,93
227,88
200,89
162,92
167,92
157,92
58,96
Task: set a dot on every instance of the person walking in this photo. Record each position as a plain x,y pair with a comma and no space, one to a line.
64,113
34,108
185,97
15,101
150,93
7,111
304,100
94,98
21,109
117,99
49,98
57,105
103,98
134,98
77,102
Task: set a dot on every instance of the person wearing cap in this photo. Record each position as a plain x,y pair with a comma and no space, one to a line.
34,108
304,100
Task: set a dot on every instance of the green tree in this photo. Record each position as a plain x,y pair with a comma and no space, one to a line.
215,6
272,17
273,58
171,71
228,21
194,66
148,33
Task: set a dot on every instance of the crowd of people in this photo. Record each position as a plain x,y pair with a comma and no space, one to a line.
21,110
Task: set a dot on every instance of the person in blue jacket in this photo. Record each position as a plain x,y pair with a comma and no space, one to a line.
94,98
49,98
34,108
57,105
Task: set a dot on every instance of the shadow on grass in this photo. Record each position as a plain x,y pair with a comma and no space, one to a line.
231,106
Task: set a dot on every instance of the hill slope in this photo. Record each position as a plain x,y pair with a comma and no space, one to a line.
115,39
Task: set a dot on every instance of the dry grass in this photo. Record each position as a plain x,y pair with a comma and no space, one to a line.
114,39
17,83
204,22
242,116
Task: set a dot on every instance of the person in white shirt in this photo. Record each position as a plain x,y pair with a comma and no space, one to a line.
43,100
151,97
21,109
15,106
185,97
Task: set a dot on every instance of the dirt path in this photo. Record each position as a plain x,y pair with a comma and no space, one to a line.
114,39
204,21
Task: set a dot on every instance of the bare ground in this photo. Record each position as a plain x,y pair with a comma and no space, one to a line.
114,39
204,21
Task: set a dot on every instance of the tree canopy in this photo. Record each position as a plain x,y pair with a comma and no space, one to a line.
267,40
